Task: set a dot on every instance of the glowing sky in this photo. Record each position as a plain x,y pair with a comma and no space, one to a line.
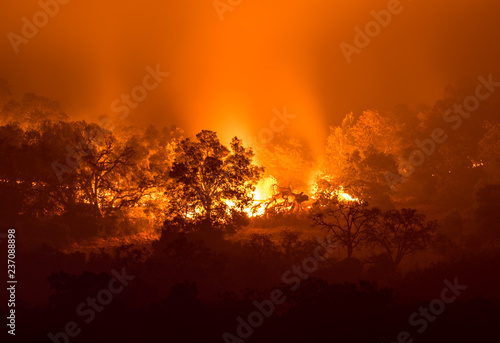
229,75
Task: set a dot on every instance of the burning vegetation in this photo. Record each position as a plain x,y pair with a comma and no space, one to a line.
191,215
250,171
106,177
86,181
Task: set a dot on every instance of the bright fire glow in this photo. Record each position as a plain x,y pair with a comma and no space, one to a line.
263,192
265,188
343,196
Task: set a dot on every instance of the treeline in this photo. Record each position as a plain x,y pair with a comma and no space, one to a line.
77,179
419,158
64,180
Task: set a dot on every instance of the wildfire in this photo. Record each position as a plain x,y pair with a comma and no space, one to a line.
339,192
343,196
263,191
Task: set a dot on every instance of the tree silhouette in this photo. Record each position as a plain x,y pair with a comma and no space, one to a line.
347,221
109,176
210,182
402,232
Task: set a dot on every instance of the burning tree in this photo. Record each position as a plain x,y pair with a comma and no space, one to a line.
99,180
211,183
110,175
288,160
360,152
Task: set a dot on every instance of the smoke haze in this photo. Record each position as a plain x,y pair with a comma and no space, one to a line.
228,75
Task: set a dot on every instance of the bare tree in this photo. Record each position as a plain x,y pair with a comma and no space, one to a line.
402,232
347,221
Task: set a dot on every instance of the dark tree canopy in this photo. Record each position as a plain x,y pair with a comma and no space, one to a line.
347,221
401,232
210,182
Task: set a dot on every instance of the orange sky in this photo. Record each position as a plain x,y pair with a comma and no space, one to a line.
229,75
